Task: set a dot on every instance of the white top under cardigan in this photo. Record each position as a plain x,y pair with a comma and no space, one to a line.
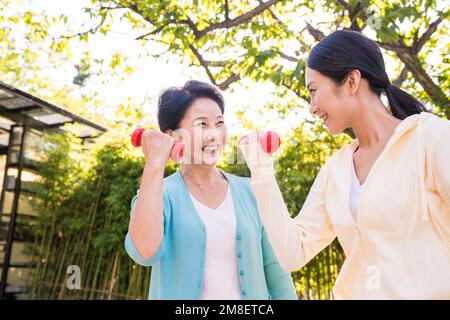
221,278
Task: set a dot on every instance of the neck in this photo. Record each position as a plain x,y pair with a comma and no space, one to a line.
374,124
199,174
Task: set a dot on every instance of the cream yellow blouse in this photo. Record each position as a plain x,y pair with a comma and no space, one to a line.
399,248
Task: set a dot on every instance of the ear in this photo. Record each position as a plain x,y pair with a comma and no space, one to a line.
353,81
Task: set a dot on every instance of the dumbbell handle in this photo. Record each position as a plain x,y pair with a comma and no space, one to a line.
177,148
269,141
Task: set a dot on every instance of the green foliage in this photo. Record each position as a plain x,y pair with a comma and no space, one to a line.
84,201
233,40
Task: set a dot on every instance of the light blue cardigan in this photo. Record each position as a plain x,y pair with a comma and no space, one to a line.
177,266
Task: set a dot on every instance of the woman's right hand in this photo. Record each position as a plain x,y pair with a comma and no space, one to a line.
156,147
259,162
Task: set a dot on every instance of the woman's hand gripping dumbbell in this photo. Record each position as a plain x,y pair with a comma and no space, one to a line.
257,148
268,140
155,142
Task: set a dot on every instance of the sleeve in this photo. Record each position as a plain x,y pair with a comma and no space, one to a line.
295,241
130,247
279,282
438,143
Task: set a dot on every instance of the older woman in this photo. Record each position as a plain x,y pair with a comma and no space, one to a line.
199,228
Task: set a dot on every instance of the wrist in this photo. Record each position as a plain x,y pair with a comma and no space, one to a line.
154,169
262,170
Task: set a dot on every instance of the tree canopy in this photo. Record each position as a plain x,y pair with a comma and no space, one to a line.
270,40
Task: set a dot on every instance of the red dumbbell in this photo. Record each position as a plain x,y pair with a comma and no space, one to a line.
269,141
177,149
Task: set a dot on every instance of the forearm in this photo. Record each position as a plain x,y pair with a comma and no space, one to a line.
281,228
295,241
146,224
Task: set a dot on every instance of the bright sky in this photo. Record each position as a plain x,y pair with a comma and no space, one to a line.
153,75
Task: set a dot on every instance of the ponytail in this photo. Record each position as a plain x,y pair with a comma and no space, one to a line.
402,104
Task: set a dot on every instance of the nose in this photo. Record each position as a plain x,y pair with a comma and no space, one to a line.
210,138
212,135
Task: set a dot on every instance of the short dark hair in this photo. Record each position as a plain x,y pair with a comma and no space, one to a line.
343,51
175,101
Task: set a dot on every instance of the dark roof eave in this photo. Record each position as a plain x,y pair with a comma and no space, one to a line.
43,103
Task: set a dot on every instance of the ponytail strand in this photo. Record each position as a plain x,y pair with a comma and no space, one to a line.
402,104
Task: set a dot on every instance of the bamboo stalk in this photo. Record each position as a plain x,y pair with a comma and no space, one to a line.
97,270
50,241
92,220
133,278
105,279
61,263
113,276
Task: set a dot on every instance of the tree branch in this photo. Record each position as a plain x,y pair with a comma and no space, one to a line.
205,64
296,91
227,11
221,64
353,15
272,13
344,4
227,23
238,20
426,35
402,77
287,57
155,31
357,12
233,78
435,93
315,33
187,22
393,47
79,34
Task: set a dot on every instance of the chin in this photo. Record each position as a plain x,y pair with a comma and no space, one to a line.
211,160
334,131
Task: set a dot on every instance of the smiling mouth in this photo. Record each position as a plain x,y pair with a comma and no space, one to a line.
324,118
210,148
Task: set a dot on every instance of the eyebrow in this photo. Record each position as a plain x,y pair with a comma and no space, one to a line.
205,118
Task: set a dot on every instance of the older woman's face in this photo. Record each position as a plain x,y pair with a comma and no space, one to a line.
203,132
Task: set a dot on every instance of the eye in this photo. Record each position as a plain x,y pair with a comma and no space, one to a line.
220,123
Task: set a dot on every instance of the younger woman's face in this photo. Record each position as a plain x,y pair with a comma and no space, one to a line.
203,132
329,101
